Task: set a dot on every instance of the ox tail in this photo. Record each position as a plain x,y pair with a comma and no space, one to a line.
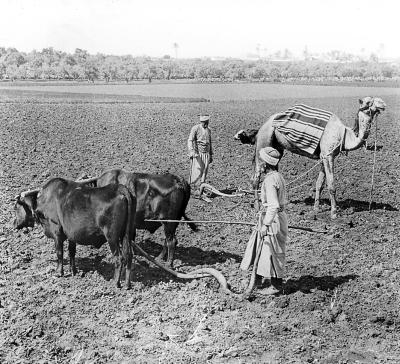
192,225
185,187
198,273
126,242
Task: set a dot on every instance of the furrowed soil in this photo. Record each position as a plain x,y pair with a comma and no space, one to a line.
341,298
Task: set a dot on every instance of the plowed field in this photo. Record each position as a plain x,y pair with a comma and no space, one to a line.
341,301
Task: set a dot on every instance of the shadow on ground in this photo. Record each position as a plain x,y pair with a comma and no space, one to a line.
149,274
357,205
191,255
372,147
305,284
96,263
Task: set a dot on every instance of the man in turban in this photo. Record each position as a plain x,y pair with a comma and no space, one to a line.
273,227
200,153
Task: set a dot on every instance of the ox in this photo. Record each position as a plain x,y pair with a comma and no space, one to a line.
158,197
247,137
83,215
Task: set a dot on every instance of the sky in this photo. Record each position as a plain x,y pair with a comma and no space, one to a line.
202,28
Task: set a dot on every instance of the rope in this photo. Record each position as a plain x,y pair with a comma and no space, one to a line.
318,163
305,173
299,186
302,175
373,167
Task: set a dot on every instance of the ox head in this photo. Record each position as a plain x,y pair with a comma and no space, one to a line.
24,210
246,136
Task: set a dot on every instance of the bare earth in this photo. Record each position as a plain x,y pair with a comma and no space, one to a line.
341,301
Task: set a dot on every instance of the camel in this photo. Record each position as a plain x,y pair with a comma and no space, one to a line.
336,137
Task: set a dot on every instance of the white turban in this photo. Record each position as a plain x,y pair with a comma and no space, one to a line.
270,155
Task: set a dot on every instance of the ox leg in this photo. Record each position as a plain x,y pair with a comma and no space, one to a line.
128,270
168,230
118,260
72,252
170,241
59,244
127,253
330,181
318,187
161,256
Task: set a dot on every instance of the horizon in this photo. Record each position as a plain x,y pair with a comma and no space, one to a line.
224,29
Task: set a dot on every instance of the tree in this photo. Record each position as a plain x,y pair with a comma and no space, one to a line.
259,72
373,58
287,54
90,69
80,55
387,71
275,73
176,46
11,72
2,70
306,54
109,68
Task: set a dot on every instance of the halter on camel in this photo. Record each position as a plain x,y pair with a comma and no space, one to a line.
372,107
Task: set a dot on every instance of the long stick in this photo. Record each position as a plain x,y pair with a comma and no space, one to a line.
205,222
232,223
252,281
191,169
373,168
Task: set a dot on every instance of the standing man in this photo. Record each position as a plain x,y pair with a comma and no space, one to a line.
200,153
273,226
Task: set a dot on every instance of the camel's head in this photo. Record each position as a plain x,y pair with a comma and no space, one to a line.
372,105
246,136
370,108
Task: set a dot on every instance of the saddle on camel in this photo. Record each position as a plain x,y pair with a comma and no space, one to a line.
316,134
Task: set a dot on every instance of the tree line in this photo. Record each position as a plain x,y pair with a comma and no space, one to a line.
50,64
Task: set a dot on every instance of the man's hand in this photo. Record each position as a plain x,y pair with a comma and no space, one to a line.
264,230
193,154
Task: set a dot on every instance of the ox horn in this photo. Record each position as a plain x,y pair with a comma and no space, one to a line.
88,180
29,192
36,190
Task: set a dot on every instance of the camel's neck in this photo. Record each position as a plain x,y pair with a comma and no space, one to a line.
351,139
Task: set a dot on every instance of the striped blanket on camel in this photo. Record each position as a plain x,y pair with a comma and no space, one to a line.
302,126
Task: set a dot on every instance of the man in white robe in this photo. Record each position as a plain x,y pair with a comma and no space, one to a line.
200,153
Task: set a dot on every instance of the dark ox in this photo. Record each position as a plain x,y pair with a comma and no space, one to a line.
247,136
158,197
83,215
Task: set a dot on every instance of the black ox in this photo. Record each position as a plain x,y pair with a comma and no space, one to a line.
83,215
247,136
158,197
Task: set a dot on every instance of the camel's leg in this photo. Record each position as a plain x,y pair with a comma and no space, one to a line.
330,181
318,187
255,184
